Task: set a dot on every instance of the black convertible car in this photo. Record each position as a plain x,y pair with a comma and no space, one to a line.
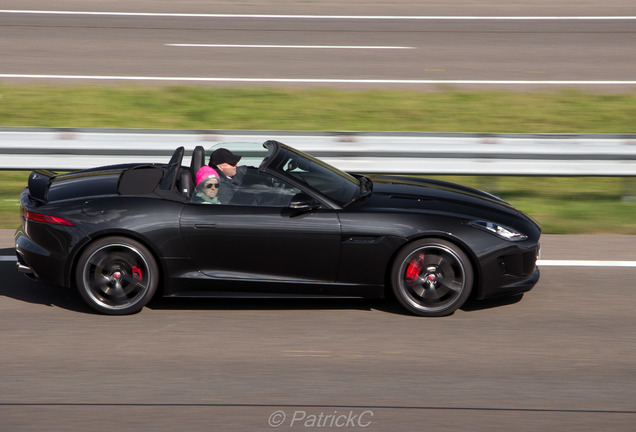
296,227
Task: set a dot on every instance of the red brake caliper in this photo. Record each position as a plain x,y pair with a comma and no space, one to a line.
414,269
137,274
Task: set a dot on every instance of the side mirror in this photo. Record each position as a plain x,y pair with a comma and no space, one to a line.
302,202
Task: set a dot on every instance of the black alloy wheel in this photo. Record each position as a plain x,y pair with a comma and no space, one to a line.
432,277
116,275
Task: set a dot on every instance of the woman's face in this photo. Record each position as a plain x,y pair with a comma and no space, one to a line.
211,187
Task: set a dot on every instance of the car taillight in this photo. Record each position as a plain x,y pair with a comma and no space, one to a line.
39,217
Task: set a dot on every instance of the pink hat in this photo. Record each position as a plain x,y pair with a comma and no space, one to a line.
205,173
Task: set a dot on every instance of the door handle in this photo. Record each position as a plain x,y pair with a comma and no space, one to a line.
205,226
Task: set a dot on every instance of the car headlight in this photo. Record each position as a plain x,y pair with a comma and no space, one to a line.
501,231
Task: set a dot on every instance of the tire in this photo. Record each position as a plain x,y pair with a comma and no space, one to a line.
116,275
432,277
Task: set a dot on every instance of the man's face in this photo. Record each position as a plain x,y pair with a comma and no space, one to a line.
228,170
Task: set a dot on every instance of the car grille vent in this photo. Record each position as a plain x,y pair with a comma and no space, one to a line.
516,266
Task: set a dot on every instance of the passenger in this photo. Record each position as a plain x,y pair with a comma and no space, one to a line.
230,175
207,187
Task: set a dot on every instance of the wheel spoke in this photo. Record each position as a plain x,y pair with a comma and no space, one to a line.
447,269
430,294
118,294
433,259
98,284
419,290
455,285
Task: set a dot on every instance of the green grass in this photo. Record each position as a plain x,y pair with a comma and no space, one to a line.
561,205
318,109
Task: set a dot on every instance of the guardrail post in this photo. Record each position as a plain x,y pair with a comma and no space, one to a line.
488,184
629,189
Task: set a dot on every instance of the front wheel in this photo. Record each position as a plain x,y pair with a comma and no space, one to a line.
432,277
116,275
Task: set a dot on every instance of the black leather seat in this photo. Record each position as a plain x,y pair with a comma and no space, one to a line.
189,177
186,184
198,160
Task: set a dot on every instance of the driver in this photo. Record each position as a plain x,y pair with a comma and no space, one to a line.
225,162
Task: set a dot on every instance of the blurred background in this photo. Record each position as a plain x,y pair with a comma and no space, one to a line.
405,66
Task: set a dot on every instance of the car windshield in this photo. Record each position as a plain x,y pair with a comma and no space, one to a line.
338,186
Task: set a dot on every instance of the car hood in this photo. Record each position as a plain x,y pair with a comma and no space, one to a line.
433,196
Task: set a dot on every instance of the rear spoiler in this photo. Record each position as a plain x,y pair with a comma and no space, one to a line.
39,183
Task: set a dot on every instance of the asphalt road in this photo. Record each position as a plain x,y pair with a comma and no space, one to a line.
340,51
561,358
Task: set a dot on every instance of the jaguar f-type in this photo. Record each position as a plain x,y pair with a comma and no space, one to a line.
295,227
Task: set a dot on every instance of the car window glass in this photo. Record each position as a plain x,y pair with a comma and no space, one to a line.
264,190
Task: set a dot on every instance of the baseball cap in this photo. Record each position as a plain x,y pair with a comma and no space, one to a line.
223,155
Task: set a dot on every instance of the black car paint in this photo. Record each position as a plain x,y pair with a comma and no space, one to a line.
247,251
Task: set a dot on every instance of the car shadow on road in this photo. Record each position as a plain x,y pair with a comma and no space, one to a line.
17,286
477,305
208,303
38,293
388,305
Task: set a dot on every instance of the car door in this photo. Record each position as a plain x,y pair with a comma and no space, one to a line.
265,241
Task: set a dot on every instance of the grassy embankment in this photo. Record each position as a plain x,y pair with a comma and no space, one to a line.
562,205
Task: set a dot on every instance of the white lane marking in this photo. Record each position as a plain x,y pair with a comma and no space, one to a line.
318,80
360,47
545,263
586,263
333,17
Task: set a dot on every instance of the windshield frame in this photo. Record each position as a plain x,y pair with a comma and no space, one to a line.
279,154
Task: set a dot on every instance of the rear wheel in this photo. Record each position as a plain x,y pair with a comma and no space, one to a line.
117,275
432,277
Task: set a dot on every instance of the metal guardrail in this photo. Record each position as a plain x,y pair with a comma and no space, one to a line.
368,152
